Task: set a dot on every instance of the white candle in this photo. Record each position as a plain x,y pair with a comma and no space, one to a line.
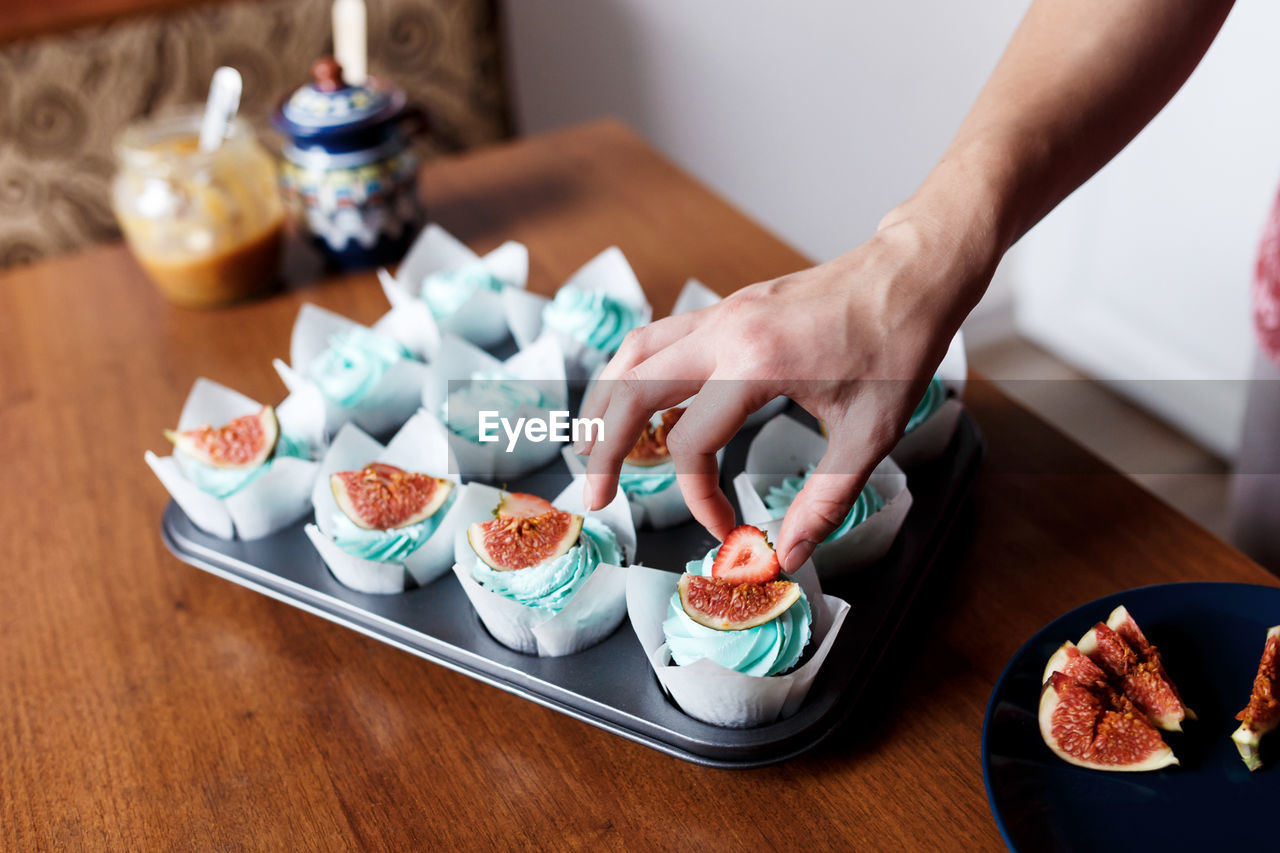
350,43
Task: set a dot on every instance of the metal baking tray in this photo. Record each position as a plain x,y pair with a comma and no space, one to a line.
611,685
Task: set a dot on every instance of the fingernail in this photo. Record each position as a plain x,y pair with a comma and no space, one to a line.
582,448
589,496
797,555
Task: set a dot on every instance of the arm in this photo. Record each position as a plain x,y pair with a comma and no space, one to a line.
1078,80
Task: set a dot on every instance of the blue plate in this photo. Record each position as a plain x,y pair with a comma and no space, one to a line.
1210,636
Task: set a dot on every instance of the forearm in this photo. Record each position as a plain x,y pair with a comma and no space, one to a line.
1079,79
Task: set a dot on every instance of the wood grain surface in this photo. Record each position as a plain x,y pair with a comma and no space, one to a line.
147,705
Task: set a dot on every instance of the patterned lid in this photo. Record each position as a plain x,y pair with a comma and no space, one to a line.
329,106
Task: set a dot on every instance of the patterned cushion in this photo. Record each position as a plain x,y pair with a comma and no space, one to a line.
64,98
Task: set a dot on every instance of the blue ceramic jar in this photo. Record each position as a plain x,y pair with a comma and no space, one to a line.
349,175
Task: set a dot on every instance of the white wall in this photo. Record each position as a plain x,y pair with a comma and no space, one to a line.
1144,274
816,117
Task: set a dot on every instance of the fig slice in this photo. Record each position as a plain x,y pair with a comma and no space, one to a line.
1119,647
1089,723
243,442
383,497
728,606
510,543
1262,714
651,447
521,505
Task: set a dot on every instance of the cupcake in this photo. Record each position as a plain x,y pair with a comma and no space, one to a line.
648,475
461,290
241,469
385,516
782,457
589,316
695,296
933,422
732,640
366,376
705,618
545,577
475,394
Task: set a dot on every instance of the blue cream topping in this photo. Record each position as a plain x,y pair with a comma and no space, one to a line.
780,497
934,396
225,482
549,586
491,392
354,364
638,480
768,649
387,546
446,291
590,317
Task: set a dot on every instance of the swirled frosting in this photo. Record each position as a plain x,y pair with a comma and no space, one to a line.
447,291
637,480
590,317
225,482
780,497
551,584
353,365
768,649
934,396
491,392
387,546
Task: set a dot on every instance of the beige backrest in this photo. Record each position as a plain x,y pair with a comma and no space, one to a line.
64,97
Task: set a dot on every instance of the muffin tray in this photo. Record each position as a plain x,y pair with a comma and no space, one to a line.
611,685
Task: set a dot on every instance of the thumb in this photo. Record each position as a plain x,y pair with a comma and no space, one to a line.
824,502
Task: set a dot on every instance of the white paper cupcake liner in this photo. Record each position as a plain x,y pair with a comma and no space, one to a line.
421,446
930,439
608,273
481,319
592,614
541,362
785,448
271,502
715,694
390,403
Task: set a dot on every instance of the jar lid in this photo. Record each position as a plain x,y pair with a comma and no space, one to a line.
328,106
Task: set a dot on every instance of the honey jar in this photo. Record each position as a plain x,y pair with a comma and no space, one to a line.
205,225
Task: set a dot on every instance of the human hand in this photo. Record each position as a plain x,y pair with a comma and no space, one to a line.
853,341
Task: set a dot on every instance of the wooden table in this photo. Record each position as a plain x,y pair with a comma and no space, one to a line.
145,704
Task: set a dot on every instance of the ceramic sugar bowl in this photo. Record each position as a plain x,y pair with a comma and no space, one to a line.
349,175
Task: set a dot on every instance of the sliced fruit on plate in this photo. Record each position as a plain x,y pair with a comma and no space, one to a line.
1089,723
521,505
1262,714
728,606
384,497
244,442
1119,647
746,556
508,543
651,447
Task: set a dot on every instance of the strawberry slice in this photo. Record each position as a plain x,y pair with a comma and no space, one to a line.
746,557
521,505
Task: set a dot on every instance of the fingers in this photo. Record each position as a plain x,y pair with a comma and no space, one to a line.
637,347
634,399
826,498
712,419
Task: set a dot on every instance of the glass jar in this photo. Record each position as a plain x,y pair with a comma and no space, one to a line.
205,225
